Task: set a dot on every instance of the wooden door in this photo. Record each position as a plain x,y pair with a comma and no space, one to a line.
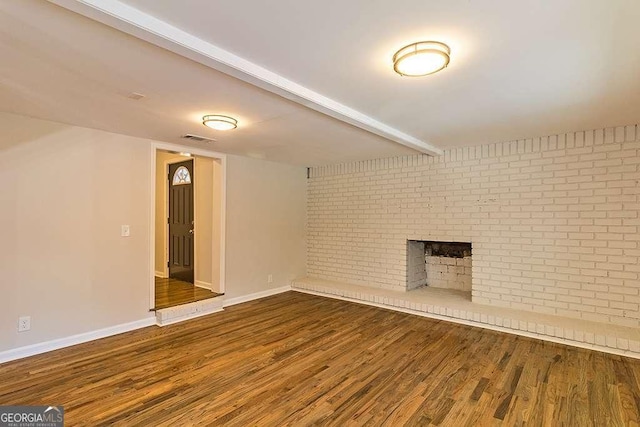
181,241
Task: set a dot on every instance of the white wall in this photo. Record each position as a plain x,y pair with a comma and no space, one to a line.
66,191
265,224
203,178
216,228
554,221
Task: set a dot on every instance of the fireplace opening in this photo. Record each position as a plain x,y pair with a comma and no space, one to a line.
437,264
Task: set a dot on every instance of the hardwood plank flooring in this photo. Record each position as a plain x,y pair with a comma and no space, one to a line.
172,292
297,359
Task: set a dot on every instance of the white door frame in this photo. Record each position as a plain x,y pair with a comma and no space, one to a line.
155,146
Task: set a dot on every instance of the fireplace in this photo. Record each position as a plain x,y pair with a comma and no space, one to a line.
439,264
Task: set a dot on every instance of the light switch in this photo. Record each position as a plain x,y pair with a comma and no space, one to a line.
125,232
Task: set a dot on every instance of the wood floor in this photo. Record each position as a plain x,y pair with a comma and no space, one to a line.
172,292
296,359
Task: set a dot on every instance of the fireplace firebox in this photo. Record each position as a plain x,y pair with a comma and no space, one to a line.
439,264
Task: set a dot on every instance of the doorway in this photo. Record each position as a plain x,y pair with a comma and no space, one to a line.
188,228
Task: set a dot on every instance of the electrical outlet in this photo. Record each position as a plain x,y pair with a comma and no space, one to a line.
270,278
125,231
24,323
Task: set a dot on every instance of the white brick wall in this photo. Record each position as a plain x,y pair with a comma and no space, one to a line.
449,273
416,268
553,221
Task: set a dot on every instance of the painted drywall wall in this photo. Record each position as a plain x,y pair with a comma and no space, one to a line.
554,221
216,229
203,175
265,224
67,191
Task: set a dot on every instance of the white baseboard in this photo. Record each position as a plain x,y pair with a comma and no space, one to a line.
204,285
160,274
257,295
31,350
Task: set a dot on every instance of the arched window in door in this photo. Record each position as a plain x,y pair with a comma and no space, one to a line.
181,176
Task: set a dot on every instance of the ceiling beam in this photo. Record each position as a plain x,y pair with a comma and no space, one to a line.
153,30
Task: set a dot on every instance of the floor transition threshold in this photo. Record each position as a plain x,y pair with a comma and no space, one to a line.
179,313
457,307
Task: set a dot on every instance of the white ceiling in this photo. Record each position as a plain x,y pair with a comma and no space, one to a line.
518,69
60,66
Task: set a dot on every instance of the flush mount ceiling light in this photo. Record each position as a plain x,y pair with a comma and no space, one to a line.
421,59
217,122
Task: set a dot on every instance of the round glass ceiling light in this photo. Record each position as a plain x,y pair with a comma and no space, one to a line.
218,122
421,59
